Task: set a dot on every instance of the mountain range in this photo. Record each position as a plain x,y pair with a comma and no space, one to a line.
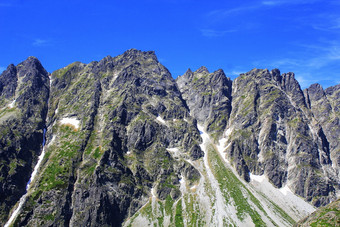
120,142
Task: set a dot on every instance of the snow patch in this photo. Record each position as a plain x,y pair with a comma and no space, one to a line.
11,105
183,189
153,199
285,190
221,147
258,178
41,157
193,187
183,186
153,193
161,120
115,75
174,149
70,121
16,212
228,132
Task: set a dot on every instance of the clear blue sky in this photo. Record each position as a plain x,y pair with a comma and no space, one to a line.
302,36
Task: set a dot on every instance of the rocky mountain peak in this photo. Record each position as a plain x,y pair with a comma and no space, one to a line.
289,82
32,59
11,68
219,75
134,54
315,91
276,75
188,73
333,90
24,97
292,87
258,75
202,91
202,69
28,70
8,82
31,63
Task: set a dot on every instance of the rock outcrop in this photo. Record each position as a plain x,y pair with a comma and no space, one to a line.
325,107
24,92
208,96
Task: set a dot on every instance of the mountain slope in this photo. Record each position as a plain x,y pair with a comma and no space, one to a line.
325,216
220,198
109,125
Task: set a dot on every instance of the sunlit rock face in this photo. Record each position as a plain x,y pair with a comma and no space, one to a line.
272,127
126,144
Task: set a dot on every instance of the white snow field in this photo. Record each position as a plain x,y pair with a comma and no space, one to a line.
71,121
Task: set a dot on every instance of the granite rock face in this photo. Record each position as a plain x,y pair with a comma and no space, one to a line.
100,172
24,92
272,127
325,107
208,96
273,131
121,133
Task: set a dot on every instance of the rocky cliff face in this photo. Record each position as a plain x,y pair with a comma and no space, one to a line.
123,145
272,131
325,107
24,92
272,127
208,96
109,126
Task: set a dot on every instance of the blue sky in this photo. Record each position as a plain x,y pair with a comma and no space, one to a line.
301,36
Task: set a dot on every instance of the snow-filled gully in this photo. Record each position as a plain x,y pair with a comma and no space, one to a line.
32,178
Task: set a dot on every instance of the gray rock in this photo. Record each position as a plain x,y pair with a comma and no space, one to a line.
208,96
274,132
24,92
